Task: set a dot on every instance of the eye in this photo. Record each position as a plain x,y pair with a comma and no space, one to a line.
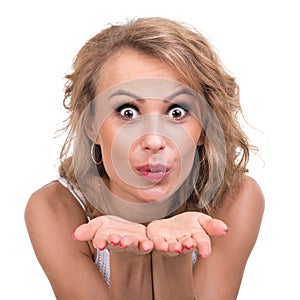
177,112
128,112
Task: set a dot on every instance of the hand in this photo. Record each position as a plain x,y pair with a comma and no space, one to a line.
185,232
115,234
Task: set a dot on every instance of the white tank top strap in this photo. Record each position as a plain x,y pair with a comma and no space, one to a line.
102,260
195,256
75,192
102,257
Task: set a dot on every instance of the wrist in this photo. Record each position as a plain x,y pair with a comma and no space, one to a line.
127,257
176,257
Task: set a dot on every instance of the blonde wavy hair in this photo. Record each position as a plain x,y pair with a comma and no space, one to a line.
191,56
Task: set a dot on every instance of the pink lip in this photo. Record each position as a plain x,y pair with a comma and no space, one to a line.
153,173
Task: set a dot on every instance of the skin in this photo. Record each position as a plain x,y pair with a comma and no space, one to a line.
121,70
148,261
142,150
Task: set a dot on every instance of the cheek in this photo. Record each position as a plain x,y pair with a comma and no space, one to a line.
194,129
113,147
105,139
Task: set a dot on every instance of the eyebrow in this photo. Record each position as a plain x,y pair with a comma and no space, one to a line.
125,93
180,92
136,97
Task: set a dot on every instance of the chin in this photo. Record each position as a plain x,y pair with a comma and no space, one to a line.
153,195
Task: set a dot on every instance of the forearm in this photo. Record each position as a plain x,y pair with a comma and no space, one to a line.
172,276
130,277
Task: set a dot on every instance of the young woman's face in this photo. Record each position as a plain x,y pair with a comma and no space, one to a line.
152,155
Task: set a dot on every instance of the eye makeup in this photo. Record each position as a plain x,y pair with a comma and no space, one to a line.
122,100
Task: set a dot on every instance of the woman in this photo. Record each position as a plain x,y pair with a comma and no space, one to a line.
154,160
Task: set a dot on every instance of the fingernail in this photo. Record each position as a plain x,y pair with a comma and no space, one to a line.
226,231
123,246
74,237
101,249
178,251
114,243
189,247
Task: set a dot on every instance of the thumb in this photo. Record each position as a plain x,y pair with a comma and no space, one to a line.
86,232
214,227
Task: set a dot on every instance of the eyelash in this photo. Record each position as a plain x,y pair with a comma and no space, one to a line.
123,106
179,104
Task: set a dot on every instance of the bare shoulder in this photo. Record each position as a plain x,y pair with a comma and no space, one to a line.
248,196
251,193
52,213
243,213
54,198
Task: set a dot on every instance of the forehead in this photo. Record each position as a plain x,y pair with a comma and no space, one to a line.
129,64
146,88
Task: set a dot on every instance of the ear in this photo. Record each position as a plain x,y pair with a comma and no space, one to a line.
91,132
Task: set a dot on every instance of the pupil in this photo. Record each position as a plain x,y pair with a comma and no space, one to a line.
128,114
176,113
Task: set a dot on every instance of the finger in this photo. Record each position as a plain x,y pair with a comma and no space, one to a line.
114,239
183,238
100,239
189,244
214,227
160,243
146,246
203,243
176,247
86,232
100,243
128,241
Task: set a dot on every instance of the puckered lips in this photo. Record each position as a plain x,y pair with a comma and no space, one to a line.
153,172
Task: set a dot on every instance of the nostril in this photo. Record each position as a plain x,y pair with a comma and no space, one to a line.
153,142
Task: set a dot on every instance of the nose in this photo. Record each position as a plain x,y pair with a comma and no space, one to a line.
153,142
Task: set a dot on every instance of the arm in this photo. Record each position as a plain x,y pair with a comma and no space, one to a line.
175,239
51,216
131,277
218,273
172,276
130,258
219,276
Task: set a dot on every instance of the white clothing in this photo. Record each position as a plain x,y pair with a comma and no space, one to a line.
102,257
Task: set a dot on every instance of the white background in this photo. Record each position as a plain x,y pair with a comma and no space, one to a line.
258,42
